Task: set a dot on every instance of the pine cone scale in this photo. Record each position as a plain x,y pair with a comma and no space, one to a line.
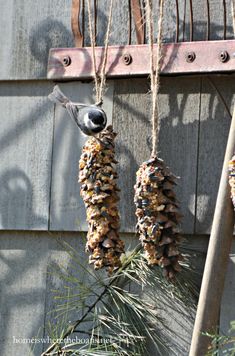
232,179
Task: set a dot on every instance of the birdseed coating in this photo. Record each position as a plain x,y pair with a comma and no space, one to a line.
231,169
97,176
158,215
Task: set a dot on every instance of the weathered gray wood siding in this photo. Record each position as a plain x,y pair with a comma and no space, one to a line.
26,155
40,148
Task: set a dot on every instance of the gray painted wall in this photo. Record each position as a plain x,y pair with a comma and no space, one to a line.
40,148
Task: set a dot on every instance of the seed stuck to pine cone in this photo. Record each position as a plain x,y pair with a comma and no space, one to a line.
158,215
97,175
231,169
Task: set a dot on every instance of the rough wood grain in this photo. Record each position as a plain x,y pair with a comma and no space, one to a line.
25,146
178,140
67,208
30,29
120,22
200,20
24,258
26,38
6,13
214,127
217,20
179,107
169,20
131,121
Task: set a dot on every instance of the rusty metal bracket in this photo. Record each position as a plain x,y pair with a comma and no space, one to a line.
133,60
78,7
75,25
138,18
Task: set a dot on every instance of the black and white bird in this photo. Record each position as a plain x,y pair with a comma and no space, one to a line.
91,119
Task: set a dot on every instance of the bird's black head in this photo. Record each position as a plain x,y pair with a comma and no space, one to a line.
98,117
92,120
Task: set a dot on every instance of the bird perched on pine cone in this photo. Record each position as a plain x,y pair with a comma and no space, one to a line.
91,119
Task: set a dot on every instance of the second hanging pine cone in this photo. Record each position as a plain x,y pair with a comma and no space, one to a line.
158,215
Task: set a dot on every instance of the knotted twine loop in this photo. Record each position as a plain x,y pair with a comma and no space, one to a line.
155,65
100,79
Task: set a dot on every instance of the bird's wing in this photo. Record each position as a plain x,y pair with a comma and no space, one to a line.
73,112
80,105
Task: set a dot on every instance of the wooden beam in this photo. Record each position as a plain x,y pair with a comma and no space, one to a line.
207,316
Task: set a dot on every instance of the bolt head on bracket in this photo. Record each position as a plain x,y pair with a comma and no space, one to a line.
67,61
224,56
127,58
190,57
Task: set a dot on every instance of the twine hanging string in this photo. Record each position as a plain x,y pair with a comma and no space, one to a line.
100,79
155,65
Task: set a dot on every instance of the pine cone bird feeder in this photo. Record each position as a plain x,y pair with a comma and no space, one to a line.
97,175
158,215
232,178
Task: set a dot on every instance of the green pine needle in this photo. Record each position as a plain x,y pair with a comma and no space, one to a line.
222,344
120,310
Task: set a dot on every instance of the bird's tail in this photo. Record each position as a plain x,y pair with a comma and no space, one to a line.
58,97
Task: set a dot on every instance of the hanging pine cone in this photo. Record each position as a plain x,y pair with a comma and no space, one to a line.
231,169
158,215
97,176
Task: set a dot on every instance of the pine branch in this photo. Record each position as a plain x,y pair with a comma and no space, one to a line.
218,342
119,315
76,323
114,278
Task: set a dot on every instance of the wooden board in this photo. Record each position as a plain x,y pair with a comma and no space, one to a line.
179,108
131,121
24,257
131,108
217,20
29,29
178,140
67,208
200,20
120,22
213,134
25,145
6,13
169,20
26,38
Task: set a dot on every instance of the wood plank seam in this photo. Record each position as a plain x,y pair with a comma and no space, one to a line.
51,173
